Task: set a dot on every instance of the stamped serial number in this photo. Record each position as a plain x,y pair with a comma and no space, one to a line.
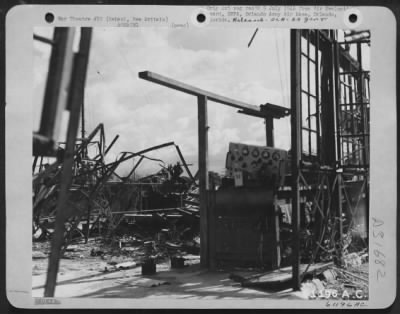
378,241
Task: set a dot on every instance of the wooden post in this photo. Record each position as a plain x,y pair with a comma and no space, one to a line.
211,224
277,248
269,127
77,83
207,232
340,186
203,178
295,63
84,152
57,80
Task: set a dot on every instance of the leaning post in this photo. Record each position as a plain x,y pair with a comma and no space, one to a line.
203,178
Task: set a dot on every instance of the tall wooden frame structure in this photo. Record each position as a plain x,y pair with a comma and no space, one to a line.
329,133
267,111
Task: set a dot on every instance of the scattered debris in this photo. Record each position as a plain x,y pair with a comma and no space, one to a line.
279,276
143,282
347,282
38,255
147,220
352,259
138,220
94,252
126,265
329,275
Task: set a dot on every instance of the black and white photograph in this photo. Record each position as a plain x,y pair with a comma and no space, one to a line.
210,163
200,157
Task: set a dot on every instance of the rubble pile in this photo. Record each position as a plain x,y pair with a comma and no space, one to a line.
131,221
123,213
349,282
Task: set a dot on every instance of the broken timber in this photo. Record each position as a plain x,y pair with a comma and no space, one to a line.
275,278
78,81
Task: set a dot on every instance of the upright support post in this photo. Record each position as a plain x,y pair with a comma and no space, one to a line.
83,121
361,92
203,178
277,248
211,224
269,127
57,80
83,131
295,63
336,88
77,83
340,186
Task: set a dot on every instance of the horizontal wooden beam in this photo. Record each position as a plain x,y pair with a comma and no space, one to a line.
192,90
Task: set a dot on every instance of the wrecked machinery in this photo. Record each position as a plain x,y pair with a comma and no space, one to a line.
103,203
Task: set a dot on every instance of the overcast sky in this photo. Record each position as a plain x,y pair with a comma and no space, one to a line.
145,114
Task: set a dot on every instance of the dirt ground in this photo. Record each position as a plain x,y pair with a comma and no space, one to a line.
83,275
90,270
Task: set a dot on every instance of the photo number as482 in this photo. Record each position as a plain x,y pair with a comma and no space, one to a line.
378,238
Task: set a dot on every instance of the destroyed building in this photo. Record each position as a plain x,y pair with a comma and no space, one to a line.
303,209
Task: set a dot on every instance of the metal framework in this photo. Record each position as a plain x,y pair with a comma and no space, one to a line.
330,136
266,111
